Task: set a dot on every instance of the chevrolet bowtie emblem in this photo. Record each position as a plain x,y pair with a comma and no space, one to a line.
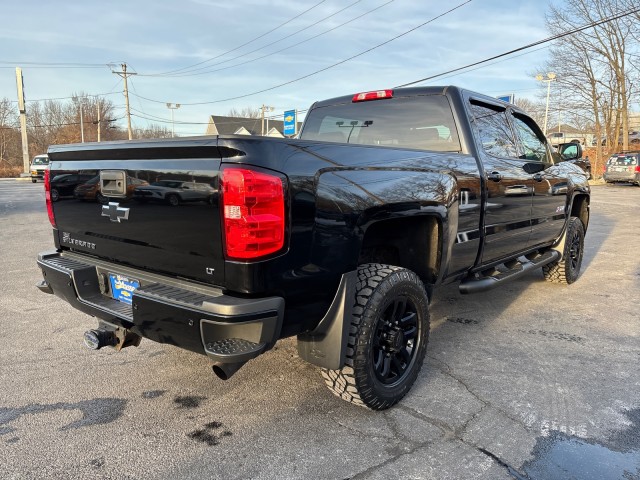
115,212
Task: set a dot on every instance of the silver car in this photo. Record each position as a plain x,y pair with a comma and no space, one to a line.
623,167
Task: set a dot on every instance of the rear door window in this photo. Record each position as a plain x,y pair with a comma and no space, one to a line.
494,131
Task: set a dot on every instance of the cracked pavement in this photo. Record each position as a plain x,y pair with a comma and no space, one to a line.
510,375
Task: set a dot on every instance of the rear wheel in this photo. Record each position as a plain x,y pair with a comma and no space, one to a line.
55,195
34,180
567,270
387,338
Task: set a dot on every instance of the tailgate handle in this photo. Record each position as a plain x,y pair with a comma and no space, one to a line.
113,183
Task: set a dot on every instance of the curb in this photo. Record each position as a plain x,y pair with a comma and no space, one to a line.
16,178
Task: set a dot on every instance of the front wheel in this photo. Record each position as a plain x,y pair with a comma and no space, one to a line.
567,270
34,180
173,200
387,338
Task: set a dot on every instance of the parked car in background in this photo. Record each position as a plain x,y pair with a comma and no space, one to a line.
63,186
38,165
556,138
90,190
623,167
174,192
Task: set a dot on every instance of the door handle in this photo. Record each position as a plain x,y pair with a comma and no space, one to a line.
494,176
537,177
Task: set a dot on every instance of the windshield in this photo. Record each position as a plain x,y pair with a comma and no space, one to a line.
423,122
41,161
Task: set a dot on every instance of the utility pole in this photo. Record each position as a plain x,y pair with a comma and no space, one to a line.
265,108
98,105
23,120
81,122
172,107
124,74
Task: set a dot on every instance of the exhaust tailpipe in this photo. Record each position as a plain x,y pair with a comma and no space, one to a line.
224,371
98,338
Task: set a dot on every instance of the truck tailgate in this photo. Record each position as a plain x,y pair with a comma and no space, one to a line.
140,205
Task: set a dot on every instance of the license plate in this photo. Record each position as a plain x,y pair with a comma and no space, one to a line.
122,288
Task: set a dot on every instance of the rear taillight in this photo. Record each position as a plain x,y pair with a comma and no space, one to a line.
637,170
253,213
47,196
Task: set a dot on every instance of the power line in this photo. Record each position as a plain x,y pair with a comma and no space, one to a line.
322,69
54,64
539,42
191,72
297,44
67,98
249,42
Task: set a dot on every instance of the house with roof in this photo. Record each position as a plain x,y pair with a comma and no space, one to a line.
221,125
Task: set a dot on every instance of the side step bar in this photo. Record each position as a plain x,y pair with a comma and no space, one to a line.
487,279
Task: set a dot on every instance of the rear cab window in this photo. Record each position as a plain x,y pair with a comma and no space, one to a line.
623,160
422,122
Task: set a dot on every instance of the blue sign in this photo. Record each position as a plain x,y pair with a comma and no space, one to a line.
290,123
507,98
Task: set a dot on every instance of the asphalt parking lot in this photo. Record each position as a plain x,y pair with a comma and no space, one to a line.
529,381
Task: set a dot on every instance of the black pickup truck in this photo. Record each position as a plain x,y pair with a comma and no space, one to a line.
338,237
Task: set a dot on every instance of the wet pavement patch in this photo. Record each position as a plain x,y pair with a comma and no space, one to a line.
463,321
210,434
188,401
94,412
153,393
563,457
555,335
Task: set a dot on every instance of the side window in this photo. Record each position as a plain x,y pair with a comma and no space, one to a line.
494,130
532,147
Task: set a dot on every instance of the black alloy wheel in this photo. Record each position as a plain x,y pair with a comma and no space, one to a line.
394,342
387,339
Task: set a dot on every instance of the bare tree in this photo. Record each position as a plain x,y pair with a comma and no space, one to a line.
592,67
152,131
534,109
246,112
10,149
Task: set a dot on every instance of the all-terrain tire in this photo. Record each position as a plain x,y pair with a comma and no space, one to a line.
387,338
567,270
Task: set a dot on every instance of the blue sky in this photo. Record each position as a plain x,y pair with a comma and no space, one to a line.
154,37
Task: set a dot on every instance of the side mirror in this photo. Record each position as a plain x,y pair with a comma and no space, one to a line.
570,151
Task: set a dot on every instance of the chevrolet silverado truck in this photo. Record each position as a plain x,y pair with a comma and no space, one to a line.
338,237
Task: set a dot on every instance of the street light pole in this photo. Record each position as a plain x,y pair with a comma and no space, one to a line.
549,78
265,108
172,107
